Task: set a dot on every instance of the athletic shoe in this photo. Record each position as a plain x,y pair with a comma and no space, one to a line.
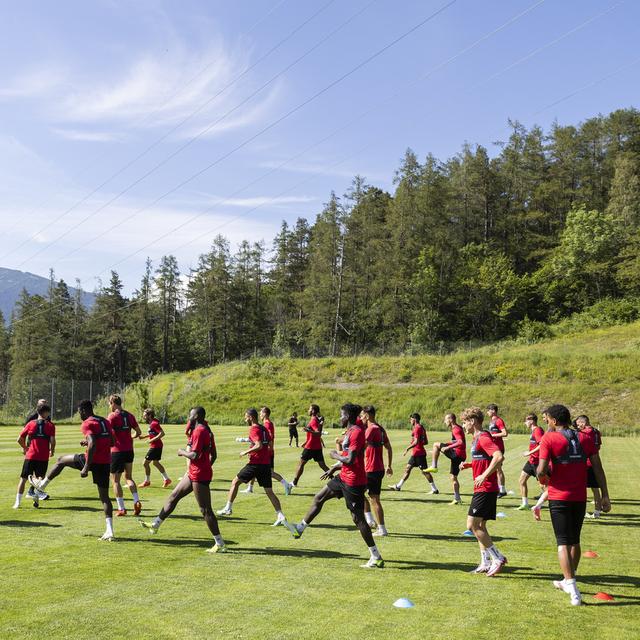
502,494
576,596
287,489
373,563
455,502
279,520
41,495
294,529
137,508
31,493
217,548
34,482
36,503
121,512
249,489
144,484
394,487
592,516
372,525
380,534
434,492
16,505
148,526
522,507
166,483
224,512
496,567
536,512
107,536
481,568
430,470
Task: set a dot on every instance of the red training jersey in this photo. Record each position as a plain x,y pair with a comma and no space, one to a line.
271,430
534,441
496,426
122,422
102,432
375,438
313,438
38,434
257,433
595,434
354,474
153,430
419,434
201,442
457,435
568,479
482,449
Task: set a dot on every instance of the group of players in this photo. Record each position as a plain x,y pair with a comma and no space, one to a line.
564,459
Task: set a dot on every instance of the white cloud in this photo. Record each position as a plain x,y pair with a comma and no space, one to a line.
79,135
255,201
32,83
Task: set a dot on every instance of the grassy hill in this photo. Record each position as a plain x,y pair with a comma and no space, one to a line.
593,371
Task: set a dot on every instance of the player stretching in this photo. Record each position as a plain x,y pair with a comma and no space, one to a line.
122,423
259,467
567,451
498,430
583,424
351,484
530,467
376,440
201,456
293,428
155,434
486,458
38,442
456,451
418,455
265,416
312,448
98,438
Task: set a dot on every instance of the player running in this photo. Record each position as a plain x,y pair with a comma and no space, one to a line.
259,467
312,448
155,433
38,442
567,452
293,428
376,440
456,451
200,453
418,455
583,424
531,466
122,423
265,416
486,458
351,484
498,430
98,439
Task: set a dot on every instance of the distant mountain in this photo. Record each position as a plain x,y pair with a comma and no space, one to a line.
12,283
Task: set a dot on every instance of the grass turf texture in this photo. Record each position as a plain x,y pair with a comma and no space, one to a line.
59,579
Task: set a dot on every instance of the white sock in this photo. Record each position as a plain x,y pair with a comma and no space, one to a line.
219,540
382,529
433,486
228,506
502,488
399,483
572,586
539,503
147,478
495,554
280,515
120,502
303,525
109,526
136,497
164,475
486,557
525,502
457,497
18,498
369,518
43,483
375,554
157,521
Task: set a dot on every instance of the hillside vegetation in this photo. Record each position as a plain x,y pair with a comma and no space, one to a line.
595,371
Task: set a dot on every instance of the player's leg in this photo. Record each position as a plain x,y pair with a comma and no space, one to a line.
368,515
249,488
69,460
435,454
319,499
117,490
501,483
405,476
299,471
378,511
166,480
147,473
455,483
567,518
128,478
233,491
319,458
202,493
107,506
283,481
182,489
422,463
524,490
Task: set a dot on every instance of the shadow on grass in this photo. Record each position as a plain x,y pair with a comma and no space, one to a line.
593,580
173,542
619,601
26,523
295,553
450,538
76,508
412,565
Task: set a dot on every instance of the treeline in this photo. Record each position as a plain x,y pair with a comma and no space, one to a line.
474,248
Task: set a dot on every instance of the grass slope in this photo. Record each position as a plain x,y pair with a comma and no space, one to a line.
596,372
59,580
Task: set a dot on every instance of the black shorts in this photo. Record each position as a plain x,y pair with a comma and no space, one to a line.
353,496
271,464
592,481
456,461
293,433
100,472
483,505
38,468
529,469
374,482
119,459
259,472
418,461
567,518
312,454
154,454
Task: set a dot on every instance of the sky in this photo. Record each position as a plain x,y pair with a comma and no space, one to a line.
140,129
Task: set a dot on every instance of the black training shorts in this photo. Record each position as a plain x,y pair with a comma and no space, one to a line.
38,468
530,470
567,518
154,454
483,505
259,472
456,461
99,471
353,496
418,461
119,459
592,481
312,454
374,482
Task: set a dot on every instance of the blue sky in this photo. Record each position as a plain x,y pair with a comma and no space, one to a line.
89,87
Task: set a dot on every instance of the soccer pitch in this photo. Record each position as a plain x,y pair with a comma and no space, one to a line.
60,581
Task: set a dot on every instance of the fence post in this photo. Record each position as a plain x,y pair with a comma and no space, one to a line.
71,412
31,393
91,390
53,398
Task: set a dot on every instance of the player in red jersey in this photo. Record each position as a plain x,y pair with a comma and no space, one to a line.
38,442
583,424
259,467
265,416
122,423
498,429
200,453
98,438
155,433
567,451
376,440
486,458
351,484
312,448
530,468
456,451
418,455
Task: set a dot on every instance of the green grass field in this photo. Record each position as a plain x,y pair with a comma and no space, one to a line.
59,581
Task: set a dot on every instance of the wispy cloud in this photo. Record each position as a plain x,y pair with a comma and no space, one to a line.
255,201
88,136
32,83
